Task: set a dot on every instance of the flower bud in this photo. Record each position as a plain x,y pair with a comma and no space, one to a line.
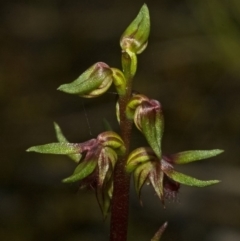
93,82
129,63
135,37
119,81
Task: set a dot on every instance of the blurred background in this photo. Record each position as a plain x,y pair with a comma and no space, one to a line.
192,65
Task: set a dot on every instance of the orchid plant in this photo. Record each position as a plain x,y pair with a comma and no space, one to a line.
106,162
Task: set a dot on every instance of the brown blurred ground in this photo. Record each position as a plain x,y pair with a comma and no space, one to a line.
192,65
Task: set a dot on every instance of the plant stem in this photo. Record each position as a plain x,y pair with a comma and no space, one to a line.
120,200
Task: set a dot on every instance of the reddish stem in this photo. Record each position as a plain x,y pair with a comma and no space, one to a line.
120,201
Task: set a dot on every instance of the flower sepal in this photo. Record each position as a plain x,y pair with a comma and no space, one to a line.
157,236
192,156
104,196
187,180
60,148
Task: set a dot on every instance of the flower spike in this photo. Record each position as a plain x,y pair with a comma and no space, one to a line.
97,158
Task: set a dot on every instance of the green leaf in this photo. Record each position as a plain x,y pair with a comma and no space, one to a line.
83,170
56,148
62,138
187,180
92,83
135,37
191,156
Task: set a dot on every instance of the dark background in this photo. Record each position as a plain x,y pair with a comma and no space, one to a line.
192,65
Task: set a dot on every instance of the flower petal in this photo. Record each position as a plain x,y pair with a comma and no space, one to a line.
106,162
139,156
83,170
62,138
104,195
140,176
112,140
135,101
